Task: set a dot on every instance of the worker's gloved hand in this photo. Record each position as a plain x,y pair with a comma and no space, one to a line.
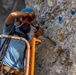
40,31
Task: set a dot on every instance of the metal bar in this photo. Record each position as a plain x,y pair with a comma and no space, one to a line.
27,53
32,66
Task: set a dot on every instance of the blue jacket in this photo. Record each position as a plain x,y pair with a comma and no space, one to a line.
14,56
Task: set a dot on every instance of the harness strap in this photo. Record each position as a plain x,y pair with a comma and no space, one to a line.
3,53
21,35
5,48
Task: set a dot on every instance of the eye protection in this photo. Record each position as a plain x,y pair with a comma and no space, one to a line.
26,20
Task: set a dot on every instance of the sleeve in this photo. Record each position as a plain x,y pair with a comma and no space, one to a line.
7,29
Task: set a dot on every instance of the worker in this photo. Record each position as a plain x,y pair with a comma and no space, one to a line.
13,60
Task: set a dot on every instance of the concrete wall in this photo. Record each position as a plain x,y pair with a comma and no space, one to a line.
58,17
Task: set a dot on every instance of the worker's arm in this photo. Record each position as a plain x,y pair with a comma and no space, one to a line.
13,15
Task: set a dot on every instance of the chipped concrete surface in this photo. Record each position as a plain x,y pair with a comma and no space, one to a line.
58,17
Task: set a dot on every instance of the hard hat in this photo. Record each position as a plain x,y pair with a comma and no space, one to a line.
27,10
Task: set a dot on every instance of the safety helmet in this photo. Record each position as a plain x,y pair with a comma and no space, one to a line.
26,28
30,10
27,10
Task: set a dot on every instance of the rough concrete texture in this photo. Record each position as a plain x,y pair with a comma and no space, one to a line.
57,52
58,17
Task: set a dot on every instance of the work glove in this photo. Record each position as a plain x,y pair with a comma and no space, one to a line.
40,31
